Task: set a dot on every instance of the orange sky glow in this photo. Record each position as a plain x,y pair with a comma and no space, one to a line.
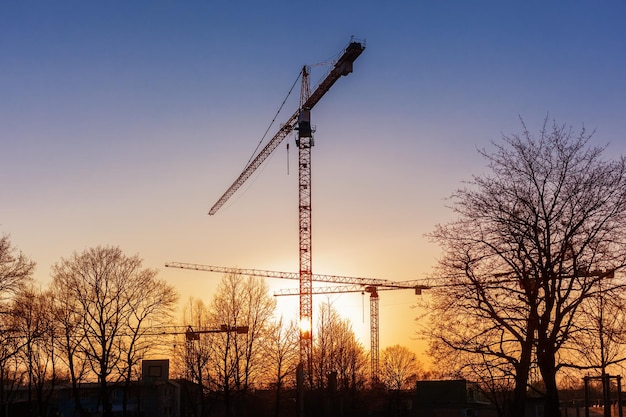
122,124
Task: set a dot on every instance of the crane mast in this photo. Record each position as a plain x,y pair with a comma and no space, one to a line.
305,142
301,122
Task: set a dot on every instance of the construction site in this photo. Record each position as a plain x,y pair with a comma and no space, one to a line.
300,123
236,209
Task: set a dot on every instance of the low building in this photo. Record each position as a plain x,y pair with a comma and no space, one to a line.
453,398
155,395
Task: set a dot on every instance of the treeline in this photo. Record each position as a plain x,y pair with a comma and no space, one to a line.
103,312
90,325
228,366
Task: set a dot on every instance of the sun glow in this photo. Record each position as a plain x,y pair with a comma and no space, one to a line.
353,307
305,328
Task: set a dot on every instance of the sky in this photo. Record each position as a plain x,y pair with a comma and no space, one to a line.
121,123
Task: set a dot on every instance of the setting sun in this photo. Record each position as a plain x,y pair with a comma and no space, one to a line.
305,329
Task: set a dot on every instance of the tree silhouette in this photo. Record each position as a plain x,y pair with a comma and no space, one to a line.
16,271
399,367
337,351
533,240
114,298
239,301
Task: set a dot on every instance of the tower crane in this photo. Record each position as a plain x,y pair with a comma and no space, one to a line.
191,334
374,311
300,121
336,279
355,284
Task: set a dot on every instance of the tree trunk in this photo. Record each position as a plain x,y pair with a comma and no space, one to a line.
125,397
517,405
2,403
78,408
107,410
546,361
227,402
277,407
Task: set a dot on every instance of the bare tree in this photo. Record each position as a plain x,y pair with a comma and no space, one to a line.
68,325
105,286
16,271
13,374
258,311
336,351
151,303
196,354
599,339
239,301
399,367
33,321
281,348
599,336
532,241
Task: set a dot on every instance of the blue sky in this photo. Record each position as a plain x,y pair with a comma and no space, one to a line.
121,123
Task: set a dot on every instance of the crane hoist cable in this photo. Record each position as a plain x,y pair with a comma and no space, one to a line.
254,153
274,119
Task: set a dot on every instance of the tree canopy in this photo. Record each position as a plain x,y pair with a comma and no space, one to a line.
113,301
532,241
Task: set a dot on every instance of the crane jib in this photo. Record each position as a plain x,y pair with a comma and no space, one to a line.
342,67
